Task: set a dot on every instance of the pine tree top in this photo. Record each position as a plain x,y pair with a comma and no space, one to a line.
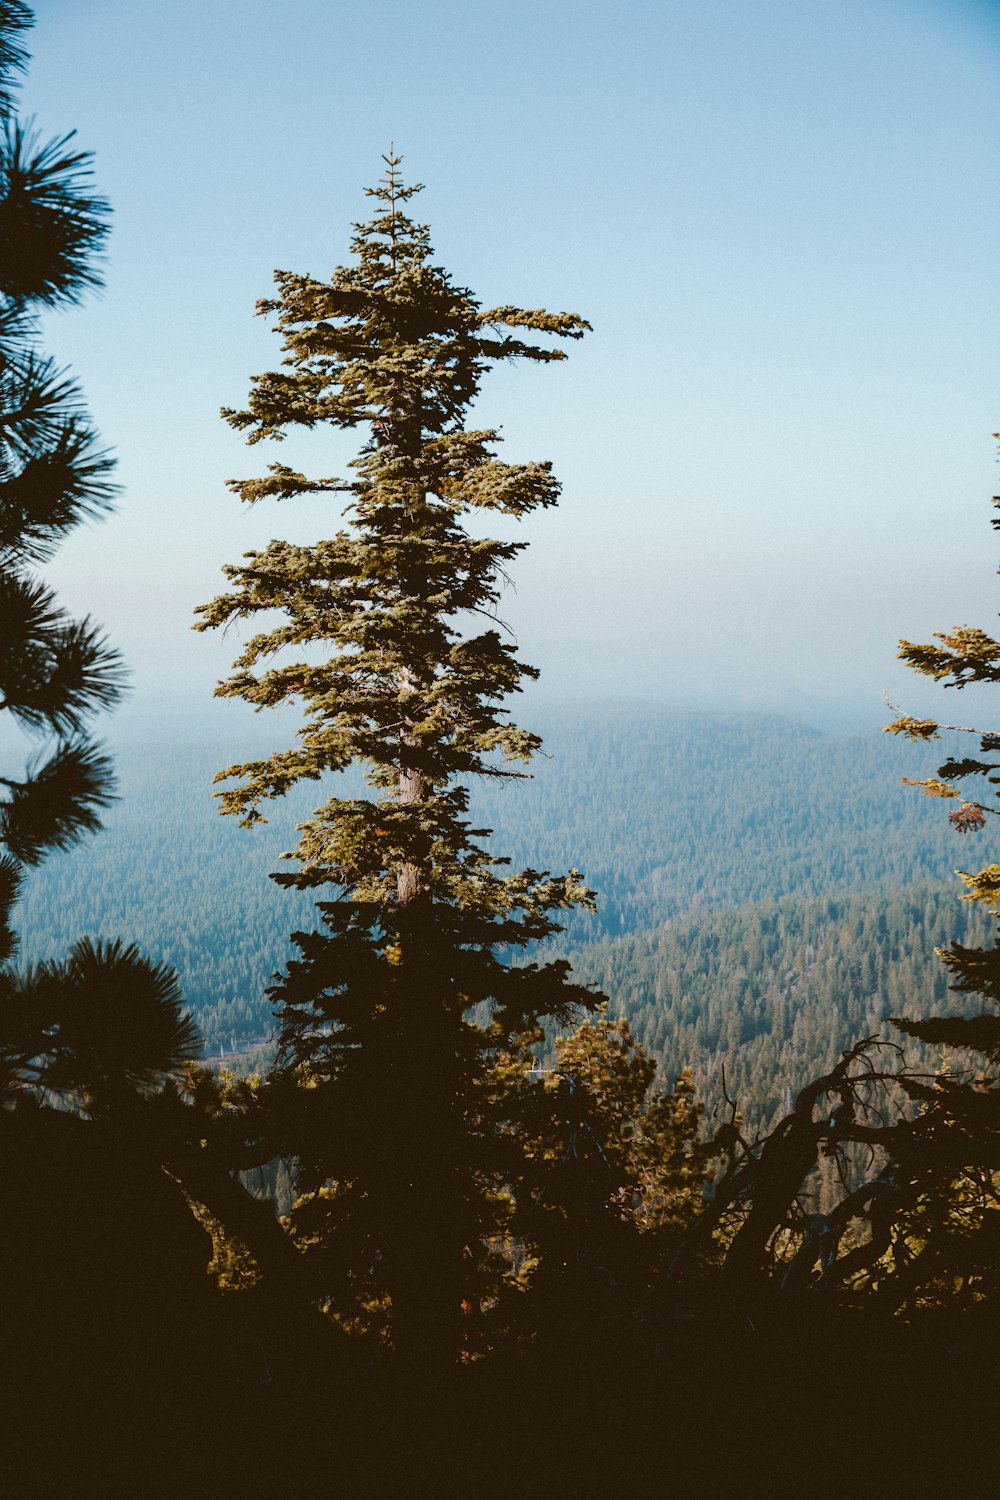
389,340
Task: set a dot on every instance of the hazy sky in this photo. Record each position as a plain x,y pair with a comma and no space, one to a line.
781,217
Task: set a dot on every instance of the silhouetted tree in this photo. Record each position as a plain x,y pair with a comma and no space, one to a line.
96,1237
55,671
956,1225
961,657
917,1223
106,1013
614,1173
395,1012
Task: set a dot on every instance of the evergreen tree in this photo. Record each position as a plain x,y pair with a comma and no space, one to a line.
395,1012
951,1228
106,1012
958,658
55,671
614,1173
98,1239
916,1225
102,1238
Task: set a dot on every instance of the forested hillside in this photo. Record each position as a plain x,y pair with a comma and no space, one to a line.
764,890
772,992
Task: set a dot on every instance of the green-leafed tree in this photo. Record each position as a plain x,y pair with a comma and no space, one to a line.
963,656
917,1221
614,1173
100,1239
102,1031
55,671
97,1238
956,1223
394,1013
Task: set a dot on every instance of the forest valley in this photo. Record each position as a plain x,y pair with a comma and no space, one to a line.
511,1255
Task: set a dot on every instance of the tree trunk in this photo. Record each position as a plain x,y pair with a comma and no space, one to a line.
411,790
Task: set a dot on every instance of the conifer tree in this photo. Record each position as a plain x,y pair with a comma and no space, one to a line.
925,1198
102,1030
106,1011
101,1033
54,671
958,658
960,1125
614,1173
97,1239
395,1012
105,1018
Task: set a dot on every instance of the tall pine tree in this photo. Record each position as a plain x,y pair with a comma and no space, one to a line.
96,1240
395,1013
54,671
106,1012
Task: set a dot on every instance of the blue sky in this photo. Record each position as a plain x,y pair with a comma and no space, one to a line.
781,217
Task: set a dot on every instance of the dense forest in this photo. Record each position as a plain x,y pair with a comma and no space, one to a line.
771,991
666,814
765,892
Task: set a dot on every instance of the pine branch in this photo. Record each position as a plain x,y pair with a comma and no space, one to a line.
58,803
15,18
52,224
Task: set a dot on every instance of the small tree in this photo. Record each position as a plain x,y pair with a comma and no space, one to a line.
614,1174
394,1013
